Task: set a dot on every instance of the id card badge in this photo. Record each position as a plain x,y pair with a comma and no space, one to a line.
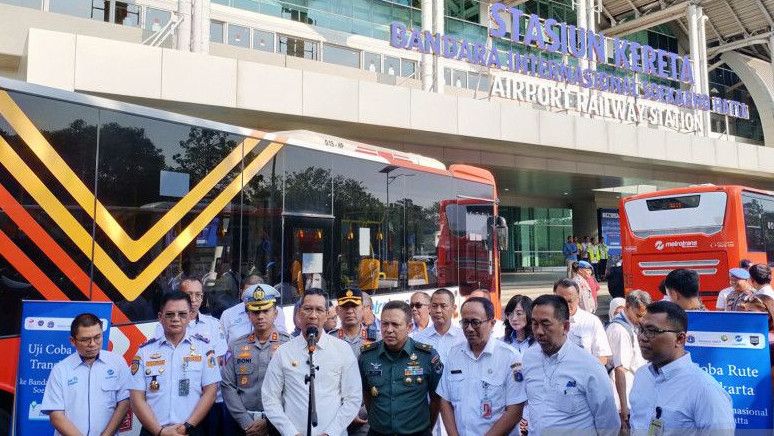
486,409
184,387
656,427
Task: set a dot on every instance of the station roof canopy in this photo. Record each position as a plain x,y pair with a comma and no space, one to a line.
742,25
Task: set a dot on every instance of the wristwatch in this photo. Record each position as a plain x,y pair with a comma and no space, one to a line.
188,427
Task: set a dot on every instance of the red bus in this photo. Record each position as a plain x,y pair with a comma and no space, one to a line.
108,201
706,228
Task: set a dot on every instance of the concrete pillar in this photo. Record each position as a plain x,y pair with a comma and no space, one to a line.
771,50
584,218
591,25
704,67
184,29
693,41
427,59
583,21
438,28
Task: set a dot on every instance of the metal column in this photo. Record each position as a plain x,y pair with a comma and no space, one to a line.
426,69
438,28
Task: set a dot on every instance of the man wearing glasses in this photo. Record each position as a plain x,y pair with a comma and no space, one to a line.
175,375
88,391
338,392
209,328
672,394
420,312
482,389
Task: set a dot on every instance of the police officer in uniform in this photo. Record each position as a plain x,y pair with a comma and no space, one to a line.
246,364
350,312
400,376
175,375
354,332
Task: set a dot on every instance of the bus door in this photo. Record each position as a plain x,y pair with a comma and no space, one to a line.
472,240
307,254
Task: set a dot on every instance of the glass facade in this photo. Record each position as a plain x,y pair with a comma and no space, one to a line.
536,237
724,83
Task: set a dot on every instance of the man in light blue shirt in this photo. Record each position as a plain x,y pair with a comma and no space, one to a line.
88,391
568,391
570,252
175,376
672,393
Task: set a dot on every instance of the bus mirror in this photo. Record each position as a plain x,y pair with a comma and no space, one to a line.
501,229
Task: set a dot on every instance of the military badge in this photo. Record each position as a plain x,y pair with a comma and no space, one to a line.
211,361
135,366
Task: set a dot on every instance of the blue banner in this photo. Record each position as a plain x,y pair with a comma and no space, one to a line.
45,340
610,230
733,347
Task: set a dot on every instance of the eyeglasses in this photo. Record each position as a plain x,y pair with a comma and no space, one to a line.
418,305
652,332
86,341
475,323
308,310
196,296
173,315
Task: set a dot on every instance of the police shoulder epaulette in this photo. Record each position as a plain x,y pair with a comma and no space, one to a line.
427,348
148,342
198,336
368,347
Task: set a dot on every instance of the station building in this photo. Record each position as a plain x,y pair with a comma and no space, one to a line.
570,103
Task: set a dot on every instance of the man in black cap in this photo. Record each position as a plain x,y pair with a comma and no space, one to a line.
353,331
356,334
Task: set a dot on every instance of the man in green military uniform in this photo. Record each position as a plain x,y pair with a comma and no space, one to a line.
246,363
399,377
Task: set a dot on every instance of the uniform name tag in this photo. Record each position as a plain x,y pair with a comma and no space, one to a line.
374,373
155,362
193,358
456,371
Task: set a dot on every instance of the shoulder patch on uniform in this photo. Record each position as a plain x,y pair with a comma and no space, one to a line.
427,348
148,342
368,347
201,338
135,366
251,338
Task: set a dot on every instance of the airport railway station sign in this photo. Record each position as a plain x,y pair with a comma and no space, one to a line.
618,62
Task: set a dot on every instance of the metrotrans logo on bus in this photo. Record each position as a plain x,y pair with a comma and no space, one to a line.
660,245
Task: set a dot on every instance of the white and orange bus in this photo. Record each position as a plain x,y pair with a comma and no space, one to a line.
706,228
108,201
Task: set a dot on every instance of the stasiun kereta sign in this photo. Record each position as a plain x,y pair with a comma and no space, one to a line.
551,36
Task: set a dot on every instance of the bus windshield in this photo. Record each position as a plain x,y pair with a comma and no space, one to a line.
677,214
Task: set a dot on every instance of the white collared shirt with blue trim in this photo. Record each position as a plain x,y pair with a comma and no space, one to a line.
479,388
87,395
159,368
688,398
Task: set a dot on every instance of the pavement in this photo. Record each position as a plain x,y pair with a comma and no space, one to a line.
534,284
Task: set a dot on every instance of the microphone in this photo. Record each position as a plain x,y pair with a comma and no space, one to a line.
311,338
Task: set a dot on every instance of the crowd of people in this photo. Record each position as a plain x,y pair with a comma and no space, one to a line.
426,367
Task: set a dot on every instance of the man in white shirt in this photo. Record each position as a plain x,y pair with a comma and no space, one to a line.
442,334
627,358
88,391
338,390
234,320
568,391
672,393
586,330
481,389
420,312
760,277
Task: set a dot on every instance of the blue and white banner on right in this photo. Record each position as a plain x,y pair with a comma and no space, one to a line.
733,347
